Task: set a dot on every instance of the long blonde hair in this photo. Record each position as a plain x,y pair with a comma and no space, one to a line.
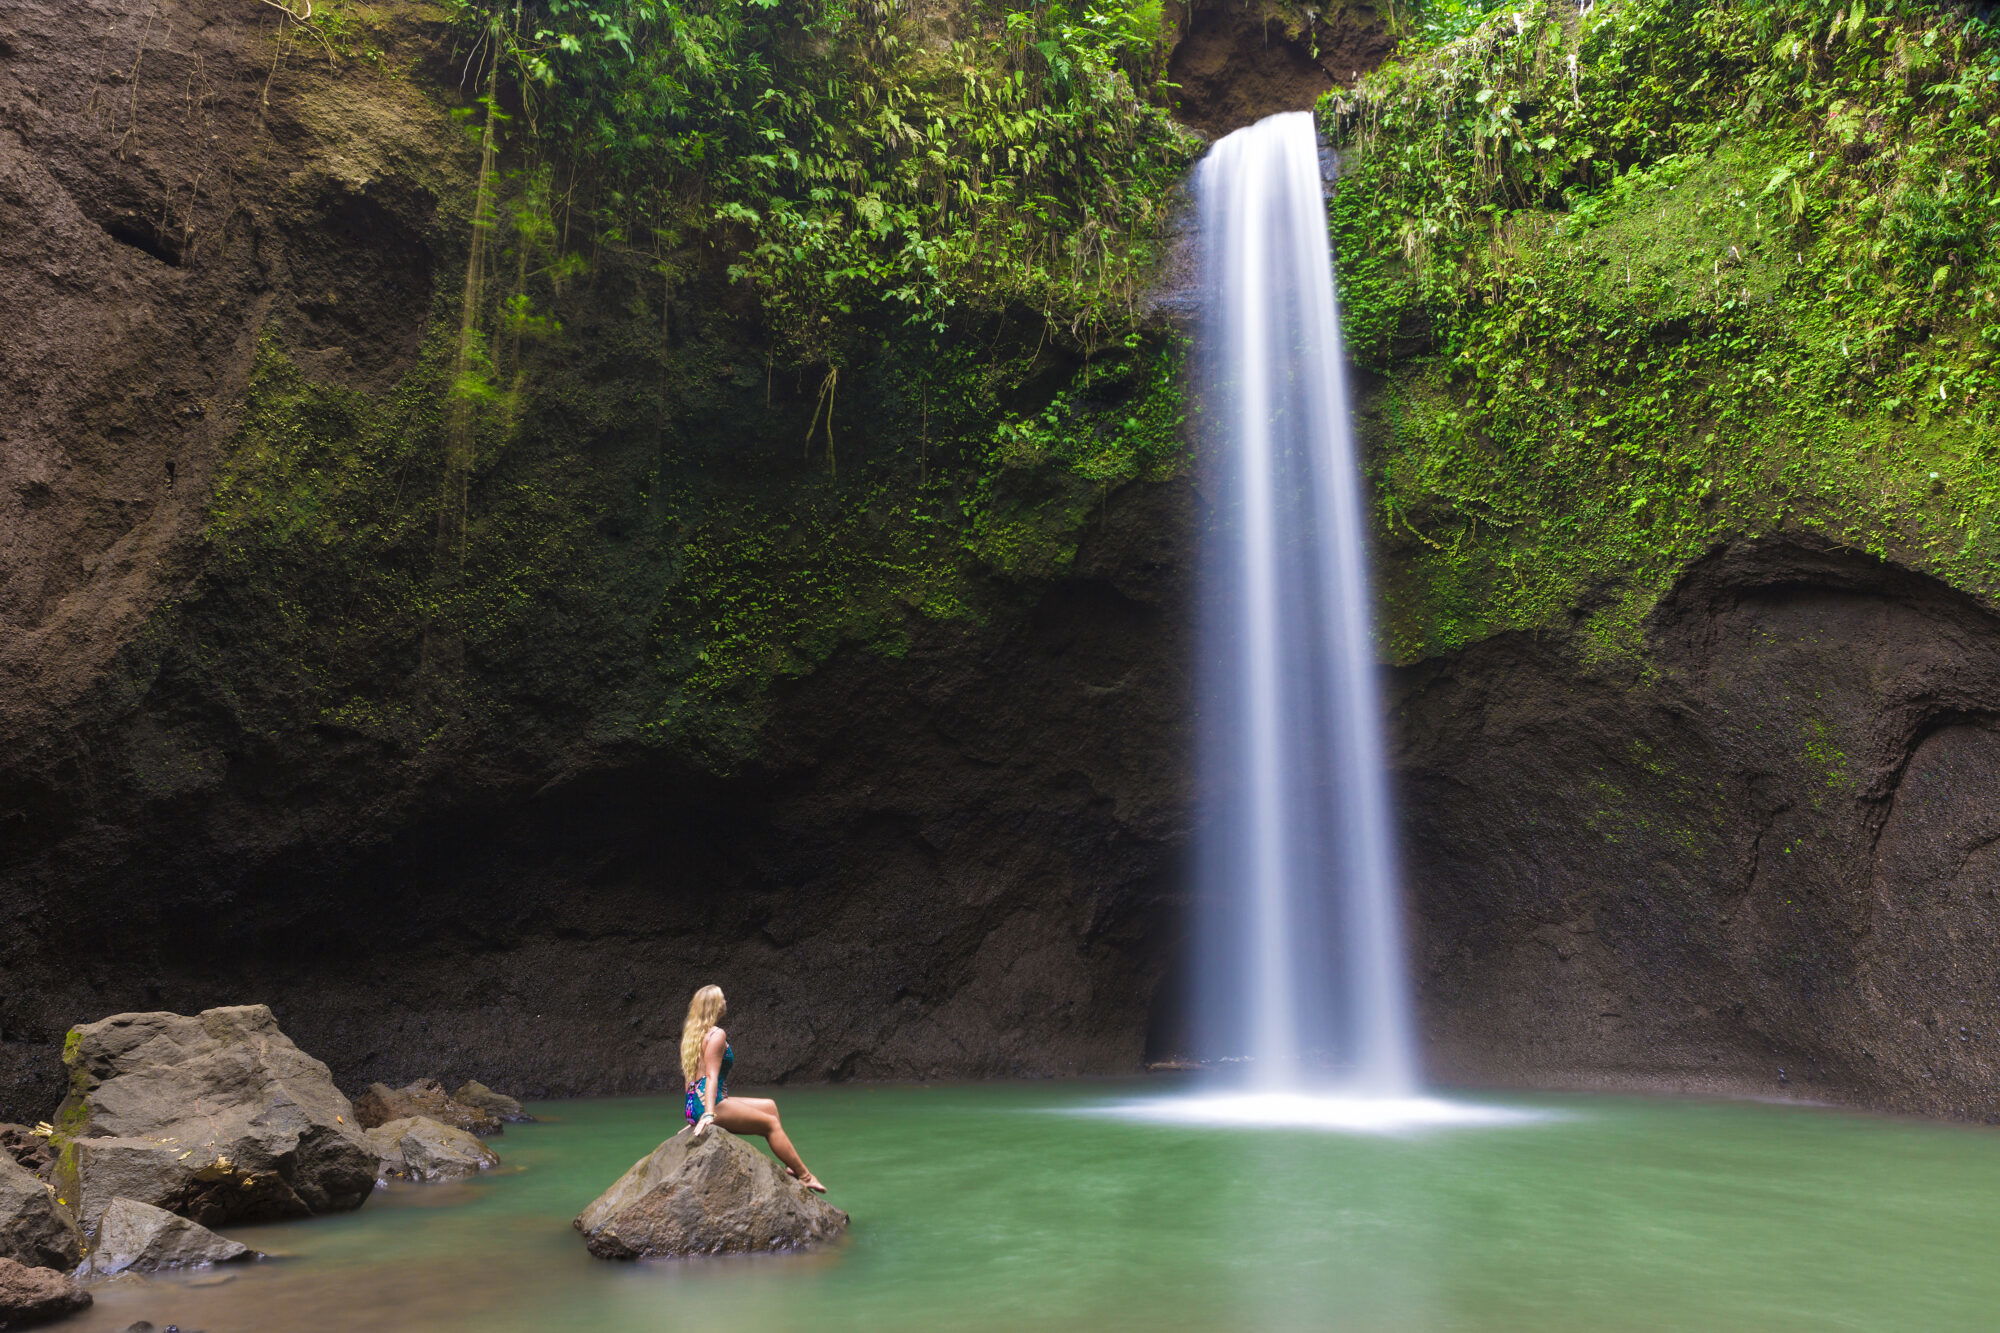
704,1012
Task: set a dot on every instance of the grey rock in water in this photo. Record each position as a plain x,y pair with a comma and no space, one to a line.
35,1228
425,1097
30,1295
134,1237
217,1117
419,1148
712,1195
475,1094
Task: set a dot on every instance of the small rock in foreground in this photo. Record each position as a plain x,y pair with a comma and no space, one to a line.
475,1094
134,1237
424,1097
36,1295
35,1229
713,1195
419,1148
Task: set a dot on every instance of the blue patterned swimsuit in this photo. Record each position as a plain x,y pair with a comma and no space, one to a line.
700,1088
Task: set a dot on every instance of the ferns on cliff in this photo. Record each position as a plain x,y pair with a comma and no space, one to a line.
1649,274
855,162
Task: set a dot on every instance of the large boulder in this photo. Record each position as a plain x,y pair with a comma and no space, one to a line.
499,1105
419,1148
217,1117
31,1295
425,1097
35,1228
712,1195
134,1237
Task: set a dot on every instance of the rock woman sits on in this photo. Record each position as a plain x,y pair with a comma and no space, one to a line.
706,1057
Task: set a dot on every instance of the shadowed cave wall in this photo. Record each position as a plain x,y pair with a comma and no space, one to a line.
1756,858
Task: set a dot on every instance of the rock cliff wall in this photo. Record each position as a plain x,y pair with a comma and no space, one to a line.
716,713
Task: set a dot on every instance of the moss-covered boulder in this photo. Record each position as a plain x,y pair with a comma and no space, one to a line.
215,1116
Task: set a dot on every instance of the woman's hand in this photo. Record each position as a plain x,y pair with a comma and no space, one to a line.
701,1125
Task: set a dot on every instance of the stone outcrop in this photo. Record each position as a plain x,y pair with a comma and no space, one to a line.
28,1148
938,861
135,1237
35,1228
426,1097
31,1295
712,1195
217,1117
496,1104
419,1148
1760,863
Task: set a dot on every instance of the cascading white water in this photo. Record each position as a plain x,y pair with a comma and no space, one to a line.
1300,955
1300,978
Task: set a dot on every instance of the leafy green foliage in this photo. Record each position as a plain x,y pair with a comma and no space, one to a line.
859,164
1663,272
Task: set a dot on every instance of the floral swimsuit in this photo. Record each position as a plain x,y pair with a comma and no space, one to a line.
696,1093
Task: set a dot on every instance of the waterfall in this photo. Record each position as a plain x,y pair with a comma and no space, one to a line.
1300,990
1299,957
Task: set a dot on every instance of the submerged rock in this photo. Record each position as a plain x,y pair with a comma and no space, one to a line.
217,1117
497,1104
35,1228
419,1148
31,1295
425,1097
713,1195
134,1237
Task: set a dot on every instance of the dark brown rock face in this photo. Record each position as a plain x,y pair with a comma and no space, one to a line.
426,1098
1770,868
31,1296
711,1195
1238,61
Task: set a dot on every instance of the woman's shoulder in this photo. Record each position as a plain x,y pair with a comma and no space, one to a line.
715,1035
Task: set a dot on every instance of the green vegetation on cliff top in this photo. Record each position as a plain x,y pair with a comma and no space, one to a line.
791,325
1647,275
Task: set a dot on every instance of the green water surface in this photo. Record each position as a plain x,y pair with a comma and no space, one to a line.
989,1207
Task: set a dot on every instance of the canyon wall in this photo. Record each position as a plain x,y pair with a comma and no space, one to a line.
707,708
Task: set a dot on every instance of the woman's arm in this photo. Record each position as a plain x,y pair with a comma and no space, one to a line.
711,1067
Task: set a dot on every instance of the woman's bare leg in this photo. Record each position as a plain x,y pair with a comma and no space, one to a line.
738,1116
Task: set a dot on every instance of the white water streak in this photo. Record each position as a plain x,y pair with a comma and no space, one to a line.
1301,964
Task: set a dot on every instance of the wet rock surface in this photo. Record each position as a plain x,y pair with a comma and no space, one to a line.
712,1195
217,1117
426,1098
496,1104
136,1237
1764,863
419,1148
30,1295
35,1229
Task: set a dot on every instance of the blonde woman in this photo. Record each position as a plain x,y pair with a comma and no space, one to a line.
706,1056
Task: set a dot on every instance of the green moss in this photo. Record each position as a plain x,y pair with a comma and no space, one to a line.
1666,276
